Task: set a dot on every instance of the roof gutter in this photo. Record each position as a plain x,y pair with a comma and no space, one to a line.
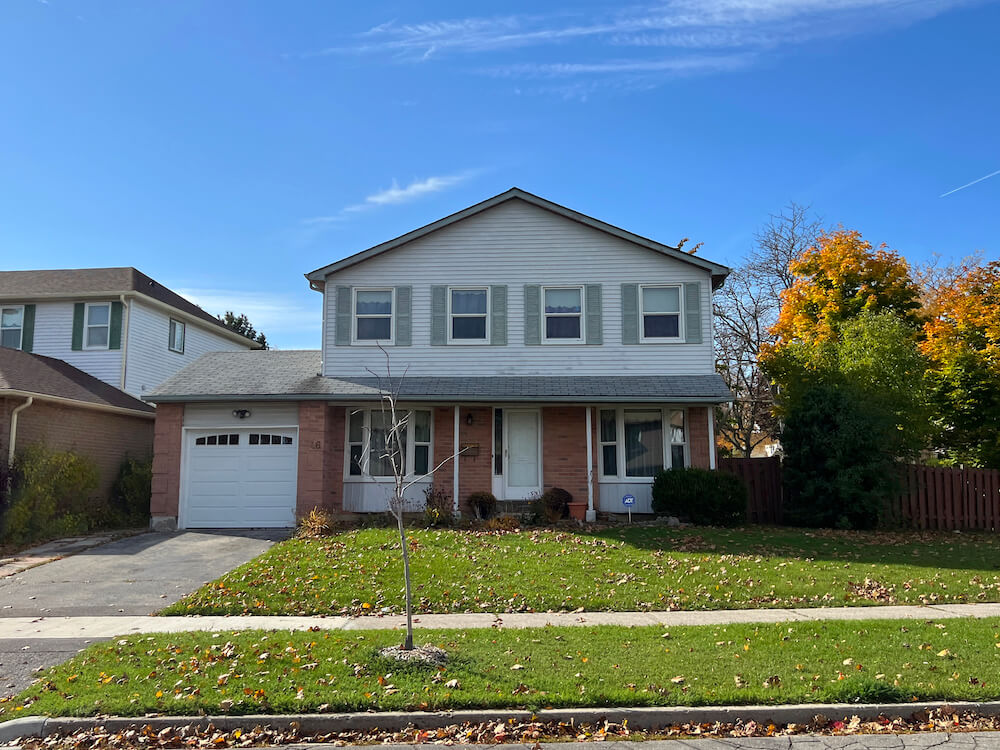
439,398
62,401
12,441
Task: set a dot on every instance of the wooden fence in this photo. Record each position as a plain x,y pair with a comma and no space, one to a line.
931,497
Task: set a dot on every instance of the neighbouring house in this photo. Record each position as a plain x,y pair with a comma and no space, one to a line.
546,347
45,400
116,324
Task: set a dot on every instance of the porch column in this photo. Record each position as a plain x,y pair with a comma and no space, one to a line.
454,463
591,513
711,437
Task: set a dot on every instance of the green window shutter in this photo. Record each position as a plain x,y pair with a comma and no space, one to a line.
78,312
595,321
404,295
115,332
498,316
692,313
532,315
630,313
28,329
439,315
344,316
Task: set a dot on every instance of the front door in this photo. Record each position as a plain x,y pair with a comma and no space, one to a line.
522,453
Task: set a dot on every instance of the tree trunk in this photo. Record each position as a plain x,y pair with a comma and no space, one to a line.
408,644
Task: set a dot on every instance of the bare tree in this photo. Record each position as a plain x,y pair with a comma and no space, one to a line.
746,308
389,445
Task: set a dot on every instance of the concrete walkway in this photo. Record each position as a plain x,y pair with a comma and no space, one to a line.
106,627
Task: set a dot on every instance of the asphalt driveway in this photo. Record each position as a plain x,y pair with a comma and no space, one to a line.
138,575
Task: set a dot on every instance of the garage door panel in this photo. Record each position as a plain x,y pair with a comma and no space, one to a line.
240,485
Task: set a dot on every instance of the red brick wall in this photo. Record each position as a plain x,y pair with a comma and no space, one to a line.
312,444
167,460
103,437
475,472
564,449
698,441
333,475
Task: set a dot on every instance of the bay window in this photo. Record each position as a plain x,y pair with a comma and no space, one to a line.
636,443
372,449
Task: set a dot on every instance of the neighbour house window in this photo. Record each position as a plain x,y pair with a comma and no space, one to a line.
373,314
563,313
633,442
372,451
661,312
176,342
467,310
11,326
97,326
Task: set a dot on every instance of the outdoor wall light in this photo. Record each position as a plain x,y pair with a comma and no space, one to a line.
468,419
241,413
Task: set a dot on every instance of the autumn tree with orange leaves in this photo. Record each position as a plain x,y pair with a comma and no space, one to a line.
962,342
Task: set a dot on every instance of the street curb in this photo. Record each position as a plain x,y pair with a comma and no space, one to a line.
394,721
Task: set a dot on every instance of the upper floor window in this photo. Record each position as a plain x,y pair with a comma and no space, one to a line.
373,314
177,330
563,313
97,326
373,448
11,326
661,312
467,310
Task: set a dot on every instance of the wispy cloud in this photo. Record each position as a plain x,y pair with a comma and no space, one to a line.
393,195
739,30
970,184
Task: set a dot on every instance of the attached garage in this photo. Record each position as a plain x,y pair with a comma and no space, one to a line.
238,476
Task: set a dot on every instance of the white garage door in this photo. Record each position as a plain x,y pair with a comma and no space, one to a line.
240,478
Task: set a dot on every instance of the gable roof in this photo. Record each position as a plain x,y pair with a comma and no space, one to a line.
68,282
719,272
295,376
35,375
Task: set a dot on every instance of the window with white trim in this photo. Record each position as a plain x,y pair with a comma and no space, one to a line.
372,451
660,308
11,326
373,314
636,443
468,315
176,341
562,308
97,326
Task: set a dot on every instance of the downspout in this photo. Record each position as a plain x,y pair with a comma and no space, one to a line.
125,311
13,428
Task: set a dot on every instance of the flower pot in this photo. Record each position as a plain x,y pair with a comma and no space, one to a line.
578,511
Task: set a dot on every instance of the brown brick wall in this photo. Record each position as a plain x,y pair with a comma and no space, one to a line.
167,460
564,449
475,472
698,442
103,437
312,452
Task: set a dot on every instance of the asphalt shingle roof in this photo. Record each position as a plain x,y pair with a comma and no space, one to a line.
262,375
20,285
45,376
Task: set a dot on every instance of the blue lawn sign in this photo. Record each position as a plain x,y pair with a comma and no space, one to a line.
628,501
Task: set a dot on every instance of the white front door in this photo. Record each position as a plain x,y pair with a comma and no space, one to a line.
522,453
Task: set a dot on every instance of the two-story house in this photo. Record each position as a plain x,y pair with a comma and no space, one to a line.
540,346
77,349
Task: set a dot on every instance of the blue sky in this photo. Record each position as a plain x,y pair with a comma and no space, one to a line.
226,148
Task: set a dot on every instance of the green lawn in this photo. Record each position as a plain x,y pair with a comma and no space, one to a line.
280,671
637,568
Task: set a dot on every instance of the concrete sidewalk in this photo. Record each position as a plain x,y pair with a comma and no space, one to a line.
107,627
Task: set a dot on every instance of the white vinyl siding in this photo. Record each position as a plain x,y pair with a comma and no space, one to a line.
149,360
518,244
54,338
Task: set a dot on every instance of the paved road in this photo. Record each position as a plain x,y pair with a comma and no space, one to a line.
134,576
